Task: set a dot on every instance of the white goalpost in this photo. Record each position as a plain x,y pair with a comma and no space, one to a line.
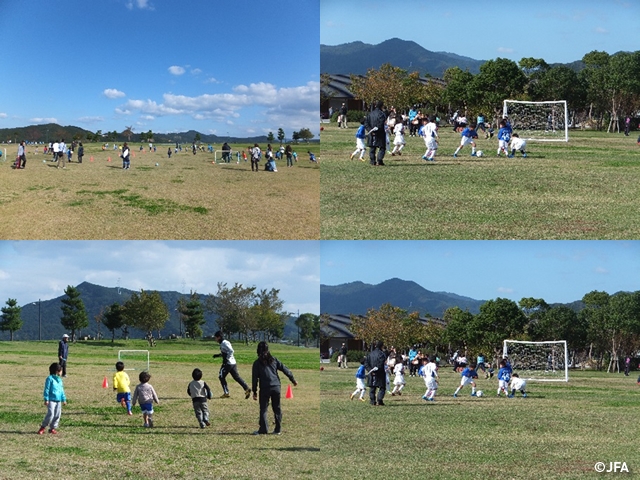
538,121
134,360
538,361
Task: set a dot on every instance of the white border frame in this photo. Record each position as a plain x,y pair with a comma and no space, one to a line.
505,351
505,111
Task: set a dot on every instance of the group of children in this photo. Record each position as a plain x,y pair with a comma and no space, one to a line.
507,140
429,372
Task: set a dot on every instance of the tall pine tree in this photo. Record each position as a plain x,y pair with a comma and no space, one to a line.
74,314
10,318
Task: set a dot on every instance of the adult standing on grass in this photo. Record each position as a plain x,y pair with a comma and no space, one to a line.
374,124
22,156
343,354
342,118
374,364
229,366
255,157
288,151
265,375
80,152
63,353
61,149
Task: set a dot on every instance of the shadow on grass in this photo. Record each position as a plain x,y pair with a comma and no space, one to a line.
294,449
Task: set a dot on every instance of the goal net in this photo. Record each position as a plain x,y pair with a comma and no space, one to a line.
134,360
538,121
538,361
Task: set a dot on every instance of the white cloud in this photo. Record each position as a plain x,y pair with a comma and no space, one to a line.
212,80
196,71
176,70
44,120
141,4
601,271
505,50
91,119
113,93
602,31
505,290
291,108
3,115
148,117
121,111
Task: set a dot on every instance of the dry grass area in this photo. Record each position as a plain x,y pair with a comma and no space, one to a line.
97,439
185,197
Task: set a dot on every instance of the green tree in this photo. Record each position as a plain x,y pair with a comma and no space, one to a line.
281,135
498,320
269,315
295,137
232,307
562,323
197,138
128,132
146,311
393,325
193,315
10,319
533,69
498,80
456,93
74,314
456,333
305,134
309,327
270,137
113,318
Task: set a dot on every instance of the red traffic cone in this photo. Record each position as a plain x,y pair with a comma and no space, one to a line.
91,159
105,383
109,159
289,393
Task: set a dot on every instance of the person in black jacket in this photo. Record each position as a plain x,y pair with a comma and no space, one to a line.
63,353
374,364
265,373
374,124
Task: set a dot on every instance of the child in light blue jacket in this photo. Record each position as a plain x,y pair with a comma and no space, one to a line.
54,398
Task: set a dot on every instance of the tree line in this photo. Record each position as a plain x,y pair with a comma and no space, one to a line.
603,331
602,93
246,311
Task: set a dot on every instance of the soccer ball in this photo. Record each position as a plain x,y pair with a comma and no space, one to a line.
157,164
479,153
479,393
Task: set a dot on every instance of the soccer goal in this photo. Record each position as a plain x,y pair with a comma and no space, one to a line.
538,121
218,156
134,360
538,361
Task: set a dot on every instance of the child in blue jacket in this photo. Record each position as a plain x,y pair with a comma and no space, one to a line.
54,398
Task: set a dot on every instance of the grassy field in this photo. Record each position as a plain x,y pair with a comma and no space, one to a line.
185,197
559,432
585,189
98,440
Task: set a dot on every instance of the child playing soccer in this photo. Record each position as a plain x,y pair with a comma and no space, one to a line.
199,392
504,135
429,132
54,398
398,140
398,381
504,375
518,383
519,144
468,374
360,147
468,134
146,394
312,157
430,374
121,384
360,387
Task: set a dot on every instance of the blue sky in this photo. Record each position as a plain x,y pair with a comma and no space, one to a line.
33,270
557,31
238,68
557,271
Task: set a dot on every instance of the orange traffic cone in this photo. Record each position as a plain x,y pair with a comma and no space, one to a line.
109,159
289,393
105,383
91,159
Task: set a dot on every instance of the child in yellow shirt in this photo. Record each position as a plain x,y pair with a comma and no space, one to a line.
121,386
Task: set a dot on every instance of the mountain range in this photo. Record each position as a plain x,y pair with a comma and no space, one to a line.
52,131
358,57
95,298
357,297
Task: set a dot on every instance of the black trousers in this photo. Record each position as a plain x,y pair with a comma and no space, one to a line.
265,395
376,159
233,370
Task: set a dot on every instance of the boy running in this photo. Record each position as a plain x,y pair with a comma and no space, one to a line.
429,132
360,136
468,134
430,374
468,374
360,376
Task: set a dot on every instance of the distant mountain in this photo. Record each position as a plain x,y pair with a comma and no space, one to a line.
358,297
52,131
95,298
357,57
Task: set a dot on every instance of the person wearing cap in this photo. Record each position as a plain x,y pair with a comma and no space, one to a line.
63,352
228,366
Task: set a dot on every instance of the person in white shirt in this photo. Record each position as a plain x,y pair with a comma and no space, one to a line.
519,144
228,366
